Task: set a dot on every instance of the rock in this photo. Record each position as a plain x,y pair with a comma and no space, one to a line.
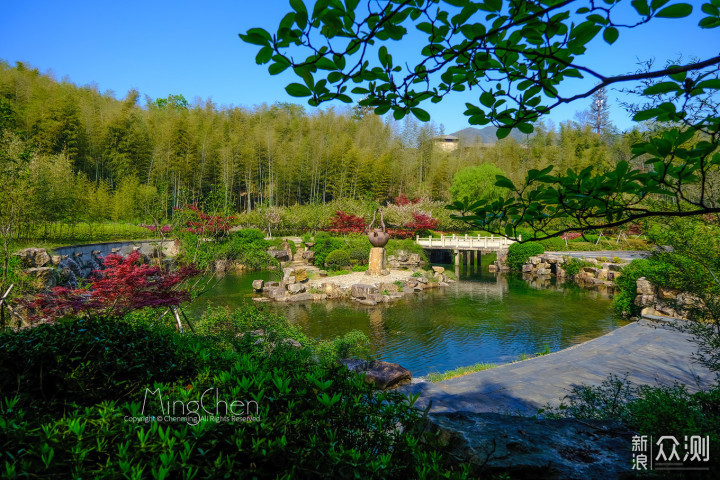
543,271
534,260
354,364
422,280
521,447
443,284
333,291
385,271
323,273
438,270
603,274
287,272
301,297
559,272
418,289
258,285
615,267
292,343
362,291
644,287
590,270
296,288
384,375
492,267
642,300
281,255
309,255
274,292
262,300
41,277
301,275
527,268
33,257
667,293
272,284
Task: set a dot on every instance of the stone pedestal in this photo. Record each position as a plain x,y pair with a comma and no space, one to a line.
377,261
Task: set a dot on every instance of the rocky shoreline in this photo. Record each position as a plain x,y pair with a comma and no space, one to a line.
307,283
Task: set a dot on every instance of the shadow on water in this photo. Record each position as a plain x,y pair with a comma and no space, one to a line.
485,318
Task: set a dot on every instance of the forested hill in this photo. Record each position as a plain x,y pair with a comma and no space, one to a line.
83,147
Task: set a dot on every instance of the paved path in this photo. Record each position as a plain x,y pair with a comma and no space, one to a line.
649,352
627,255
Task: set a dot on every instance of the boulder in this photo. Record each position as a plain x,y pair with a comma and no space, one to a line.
384,375
292,343
354,364
41,277
644,287
543,271
281,255
290,280
362,291
524,448
258,285
301,275
534,260
332,290
296,288
287,272
526,268
323,273
438,270
33,257
262,300
309,255
603,274
667,293
300,297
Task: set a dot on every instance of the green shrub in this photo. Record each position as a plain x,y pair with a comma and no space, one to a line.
337,259
324,244
360,268
554,244
656,411
518,254
407,245
359,256
88,377
574,265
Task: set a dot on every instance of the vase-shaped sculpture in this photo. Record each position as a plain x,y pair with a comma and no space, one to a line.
378,236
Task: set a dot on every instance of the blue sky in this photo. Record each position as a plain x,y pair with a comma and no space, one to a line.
192,48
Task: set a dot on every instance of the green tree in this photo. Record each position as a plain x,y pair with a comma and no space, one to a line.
520,55
476,182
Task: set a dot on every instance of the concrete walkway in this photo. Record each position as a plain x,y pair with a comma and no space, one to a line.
650,353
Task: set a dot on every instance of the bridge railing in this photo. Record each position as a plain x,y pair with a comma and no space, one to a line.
465,242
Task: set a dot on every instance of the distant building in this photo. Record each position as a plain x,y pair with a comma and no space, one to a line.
448,143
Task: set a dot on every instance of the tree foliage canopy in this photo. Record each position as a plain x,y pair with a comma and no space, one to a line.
519,55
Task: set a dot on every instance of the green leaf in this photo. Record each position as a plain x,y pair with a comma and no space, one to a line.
503,132
646,114
709,22
487,99
641,6
525,128
610,35
663,87
298,90
504,182
420,114
678,10
264,55
276,68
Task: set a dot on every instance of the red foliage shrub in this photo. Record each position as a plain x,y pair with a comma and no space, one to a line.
345,223
423,222
126,284
567,236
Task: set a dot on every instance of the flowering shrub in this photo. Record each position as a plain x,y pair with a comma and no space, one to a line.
124,285
153,228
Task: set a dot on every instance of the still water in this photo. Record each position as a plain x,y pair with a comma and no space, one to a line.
482,318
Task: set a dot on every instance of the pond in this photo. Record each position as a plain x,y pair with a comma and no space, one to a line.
484,318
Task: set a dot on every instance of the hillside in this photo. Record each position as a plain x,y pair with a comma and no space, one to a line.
485,135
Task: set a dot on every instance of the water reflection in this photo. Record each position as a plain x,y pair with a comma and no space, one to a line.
483,318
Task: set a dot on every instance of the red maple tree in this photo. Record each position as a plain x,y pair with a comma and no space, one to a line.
124,285
345,223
